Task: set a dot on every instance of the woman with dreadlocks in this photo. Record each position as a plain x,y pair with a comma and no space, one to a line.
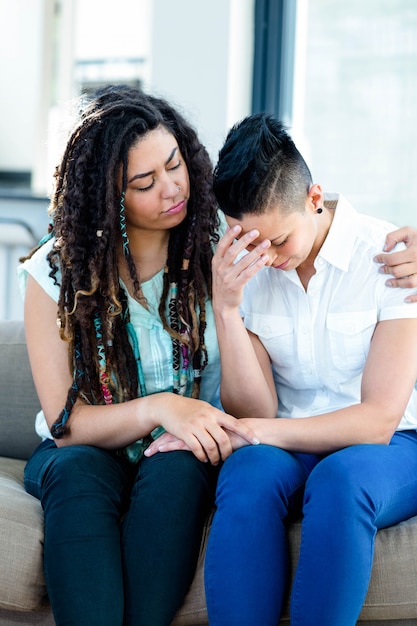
122,345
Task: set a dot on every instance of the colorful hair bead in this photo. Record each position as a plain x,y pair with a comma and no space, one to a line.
123,231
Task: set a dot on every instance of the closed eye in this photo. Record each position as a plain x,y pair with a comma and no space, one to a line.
169,169
146,188
281,243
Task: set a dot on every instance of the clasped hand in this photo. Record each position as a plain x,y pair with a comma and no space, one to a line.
199,427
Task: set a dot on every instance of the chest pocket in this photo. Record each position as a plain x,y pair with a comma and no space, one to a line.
350,337
276,332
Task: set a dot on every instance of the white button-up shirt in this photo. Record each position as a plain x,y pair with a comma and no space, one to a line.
318,340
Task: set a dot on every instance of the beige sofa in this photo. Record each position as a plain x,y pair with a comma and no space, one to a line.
392,596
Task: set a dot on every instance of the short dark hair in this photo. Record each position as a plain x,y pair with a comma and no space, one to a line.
259,167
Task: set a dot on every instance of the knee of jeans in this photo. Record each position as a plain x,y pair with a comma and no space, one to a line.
250,477
75,469
178,470
333,482
177,462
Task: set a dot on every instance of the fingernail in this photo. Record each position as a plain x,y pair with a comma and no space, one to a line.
389,283
255,441
385,247
408,300
253,233
381,269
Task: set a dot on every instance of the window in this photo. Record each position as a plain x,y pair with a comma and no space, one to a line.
348,72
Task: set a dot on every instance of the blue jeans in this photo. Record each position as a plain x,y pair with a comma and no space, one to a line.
121,540
344,498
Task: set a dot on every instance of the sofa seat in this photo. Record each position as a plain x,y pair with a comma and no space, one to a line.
22,587
392,595
392,592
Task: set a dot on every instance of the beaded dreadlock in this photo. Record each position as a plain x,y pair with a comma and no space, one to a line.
86,210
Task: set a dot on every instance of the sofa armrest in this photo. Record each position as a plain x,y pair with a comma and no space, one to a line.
19,402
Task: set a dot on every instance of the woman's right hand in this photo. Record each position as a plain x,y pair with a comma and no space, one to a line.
169,443
245,364
231,269
197,426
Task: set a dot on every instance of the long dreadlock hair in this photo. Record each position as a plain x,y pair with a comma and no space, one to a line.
92,308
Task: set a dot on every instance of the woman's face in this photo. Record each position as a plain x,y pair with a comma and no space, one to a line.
158,185
294,237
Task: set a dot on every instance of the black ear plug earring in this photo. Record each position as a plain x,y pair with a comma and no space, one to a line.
319,210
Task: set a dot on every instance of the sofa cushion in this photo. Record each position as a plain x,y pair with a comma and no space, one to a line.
22,585
19,401
193,610
392,593
393,589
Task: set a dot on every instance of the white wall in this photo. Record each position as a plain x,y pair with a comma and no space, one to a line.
201,58
199,52
20,67
199,55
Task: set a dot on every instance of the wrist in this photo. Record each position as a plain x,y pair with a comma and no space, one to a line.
225,313
150,411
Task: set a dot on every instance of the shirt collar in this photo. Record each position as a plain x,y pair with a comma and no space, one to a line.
339,243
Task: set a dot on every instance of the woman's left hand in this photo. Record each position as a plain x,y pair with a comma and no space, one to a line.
169,443
166,443
402,265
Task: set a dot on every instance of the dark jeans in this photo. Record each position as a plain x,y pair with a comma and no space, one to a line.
121,541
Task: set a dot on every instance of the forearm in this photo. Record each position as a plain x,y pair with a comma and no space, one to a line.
247,386
321,434
201,427
245,392
387,383
113,426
